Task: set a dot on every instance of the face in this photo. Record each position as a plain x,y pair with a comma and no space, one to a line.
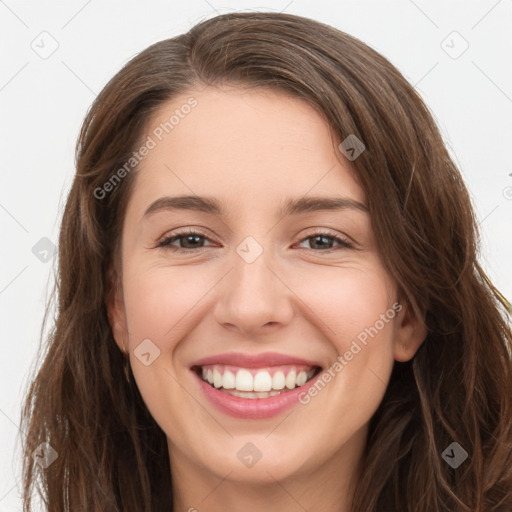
262,325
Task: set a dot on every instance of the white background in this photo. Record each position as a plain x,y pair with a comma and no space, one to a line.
44,100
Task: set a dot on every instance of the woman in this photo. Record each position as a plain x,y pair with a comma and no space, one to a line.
211,353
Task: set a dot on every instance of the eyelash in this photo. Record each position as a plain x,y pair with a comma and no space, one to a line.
165,243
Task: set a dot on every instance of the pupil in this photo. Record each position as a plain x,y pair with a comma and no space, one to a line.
191,237
320,237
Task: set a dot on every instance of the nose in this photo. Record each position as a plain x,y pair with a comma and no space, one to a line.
254,298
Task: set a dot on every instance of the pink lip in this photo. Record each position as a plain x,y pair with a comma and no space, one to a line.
253,408
254,361
257,408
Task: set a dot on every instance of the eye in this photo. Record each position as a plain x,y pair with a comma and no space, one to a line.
190,238
192,241
324,239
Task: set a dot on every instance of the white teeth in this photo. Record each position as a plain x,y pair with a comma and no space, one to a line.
254,394
302,378
217,378
262,381
261,384
290,380
228,380
278,380
244,380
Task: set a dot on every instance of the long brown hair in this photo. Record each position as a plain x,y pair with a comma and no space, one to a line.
457,389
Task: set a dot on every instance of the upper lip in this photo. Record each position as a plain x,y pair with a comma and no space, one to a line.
254,360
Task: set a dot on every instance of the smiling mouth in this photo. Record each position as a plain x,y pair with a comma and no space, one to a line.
254,383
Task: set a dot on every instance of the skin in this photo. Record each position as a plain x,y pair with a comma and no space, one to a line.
251,149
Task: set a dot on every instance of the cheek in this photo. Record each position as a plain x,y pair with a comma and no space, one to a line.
346,300
160,301
163,305
357,312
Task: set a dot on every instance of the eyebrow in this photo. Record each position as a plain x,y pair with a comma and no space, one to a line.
212,206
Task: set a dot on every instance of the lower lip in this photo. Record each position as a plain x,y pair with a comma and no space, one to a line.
253,408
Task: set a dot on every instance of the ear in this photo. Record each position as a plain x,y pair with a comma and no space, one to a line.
410,331
116,311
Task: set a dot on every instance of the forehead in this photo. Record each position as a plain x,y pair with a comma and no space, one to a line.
249,146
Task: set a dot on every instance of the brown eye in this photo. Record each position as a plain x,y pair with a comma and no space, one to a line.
188,241
322,242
